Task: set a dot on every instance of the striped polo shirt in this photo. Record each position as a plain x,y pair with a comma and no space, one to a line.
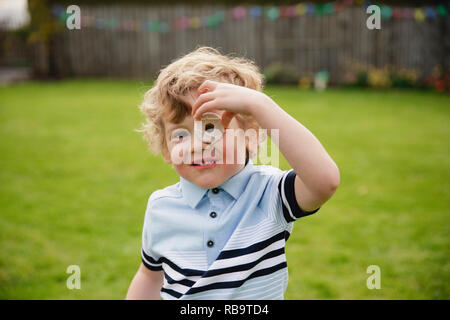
223,243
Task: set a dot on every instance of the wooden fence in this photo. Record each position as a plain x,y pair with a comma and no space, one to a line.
335,42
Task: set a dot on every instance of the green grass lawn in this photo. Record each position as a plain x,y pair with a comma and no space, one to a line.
75,178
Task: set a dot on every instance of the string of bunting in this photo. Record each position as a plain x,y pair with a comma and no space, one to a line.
253,12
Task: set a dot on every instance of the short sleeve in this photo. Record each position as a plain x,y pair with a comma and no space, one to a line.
150,258
290,207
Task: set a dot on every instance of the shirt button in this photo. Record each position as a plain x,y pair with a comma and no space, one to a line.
210,243
213,214
215,190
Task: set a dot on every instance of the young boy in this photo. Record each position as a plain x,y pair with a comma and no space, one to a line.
220,232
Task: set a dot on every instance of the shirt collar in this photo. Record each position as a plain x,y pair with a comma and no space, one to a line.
237,183
192,193
234,186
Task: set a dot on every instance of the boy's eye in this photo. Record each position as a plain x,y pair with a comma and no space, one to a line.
179,135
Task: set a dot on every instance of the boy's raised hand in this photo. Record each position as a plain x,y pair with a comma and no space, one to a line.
233,99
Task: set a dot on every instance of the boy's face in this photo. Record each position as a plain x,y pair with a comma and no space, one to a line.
204,164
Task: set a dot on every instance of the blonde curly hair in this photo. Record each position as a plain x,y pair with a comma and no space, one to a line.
163,101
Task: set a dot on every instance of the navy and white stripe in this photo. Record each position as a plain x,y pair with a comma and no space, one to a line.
151,263
291,209
232,269
254,214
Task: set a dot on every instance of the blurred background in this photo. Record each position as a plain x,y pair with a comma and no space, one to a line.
75,176
292,43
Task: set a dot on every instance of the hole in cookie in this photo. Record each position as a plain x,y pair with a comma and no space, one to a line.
209,127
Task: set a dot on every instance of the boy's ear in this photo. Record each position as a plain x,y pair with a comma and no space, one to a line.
166,155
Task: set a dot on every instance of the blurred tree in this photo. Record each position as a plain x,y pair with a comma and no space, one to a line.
42,27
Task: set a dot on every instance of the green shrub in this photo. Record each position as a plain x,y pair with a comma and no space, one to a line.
279,73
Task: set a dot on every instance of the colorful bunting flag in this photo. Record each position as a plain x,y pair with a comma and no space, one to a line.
253,12
386,12
273,13
419,15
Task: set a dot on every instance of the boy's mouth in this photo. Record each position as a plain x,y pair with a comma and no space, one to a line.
204,164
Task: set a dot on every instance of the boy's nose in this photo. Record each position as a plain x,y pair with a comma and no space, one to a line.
197,146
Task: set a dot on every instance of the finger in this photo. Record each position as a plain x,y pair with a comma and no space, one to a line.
210,105
201,100
227,116
207,85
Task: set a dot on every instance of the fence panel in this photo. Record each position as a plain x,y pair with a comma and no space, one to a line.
133,41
